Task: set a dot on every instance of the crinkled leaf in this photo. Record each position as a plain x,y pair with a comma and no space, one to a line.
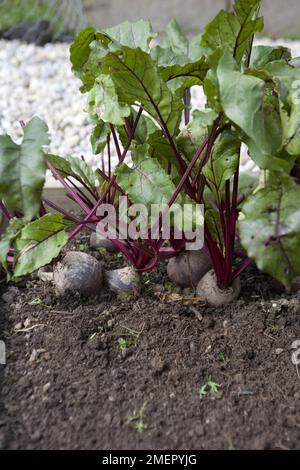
263,55
223,162
179,57
257,115
7,239
196,51
176,39
23,169
99,135
39,242
210,84
270,229
287,79
133,35
80,49
145,127
172,66
90,46
234,30
222,31
75,168
145,182
248,182
85,55
104,102
194,133
137,80
160,149
179,85
247,12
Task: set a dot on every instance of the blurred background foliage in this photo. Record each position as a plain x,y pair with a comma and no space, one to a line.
51,19
61,19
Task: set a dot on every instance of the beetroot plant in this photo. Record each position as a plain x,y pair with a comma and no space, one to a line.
138,88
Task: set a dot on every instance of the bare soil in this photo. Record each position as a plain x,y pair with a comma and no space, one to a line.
126,373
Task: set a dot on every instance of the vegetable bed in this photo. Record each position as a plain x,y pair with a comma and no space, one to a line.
131,374
108,346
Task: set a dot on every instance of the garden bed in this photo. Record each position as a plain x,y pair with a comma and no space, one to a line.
109,373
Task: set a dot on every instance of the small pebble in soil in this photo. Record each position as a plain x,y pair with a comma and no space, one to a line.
110,324
94,341
37,354
46,387
108,418
278,351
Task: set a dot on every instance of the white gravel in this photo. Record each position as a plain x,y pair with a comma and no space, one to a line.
38,81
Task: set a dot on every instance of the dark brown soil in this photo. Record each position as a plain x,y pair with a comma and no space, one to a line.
72,382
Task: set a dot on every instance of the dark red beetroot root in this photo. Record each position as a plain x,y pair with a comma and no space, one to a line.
96,241
215,296
78,272
123,280
188,268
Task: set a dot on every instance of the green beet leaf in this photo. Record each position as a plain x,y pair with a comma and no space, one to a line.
223,163
133,35
23,169
99,135
234,30
137,80
146,182
179,57
39,242
90,46
247,102
263,55
13,230
247,12
270,228
194,133
76,168
287,80
176,39
104,103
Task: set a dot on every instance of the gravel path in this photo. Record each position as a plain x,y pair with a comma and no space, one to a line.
38,81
